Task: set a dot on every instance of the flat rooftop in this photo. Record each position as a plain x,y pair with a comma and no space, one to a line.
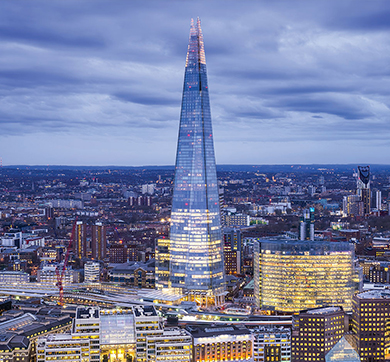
325,310
374,294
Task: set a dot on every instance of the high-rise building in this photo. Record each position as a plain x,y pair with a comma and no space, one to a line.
294,275
233,251
80,240
196,250
306,225
371,326
315,332
99,243
353,206
162,262
363,187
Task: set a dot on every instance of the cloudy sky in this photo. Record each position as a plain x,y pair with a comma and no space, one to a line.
99,82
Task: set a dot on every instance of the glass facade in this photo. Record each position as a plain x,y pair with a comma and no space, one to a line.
196,254
293,275
117,327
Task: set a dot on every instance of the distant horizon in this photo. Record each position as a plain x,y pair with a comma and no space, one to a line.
218,164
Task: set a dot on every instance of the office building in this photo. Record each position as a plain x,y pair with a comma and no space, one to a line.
91,272
379,273
315,332
62,347
233,251
221,343
231,220
147,324
13,277
370,325
196,249
306,225
47,275
378,200
162,263
271,344
148,189
118,253
353,206
86,325
294,275
99,242
363,188
117,338
174,344
80,240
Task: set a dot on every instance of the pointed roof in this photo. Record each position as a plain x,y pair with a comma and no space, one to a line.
195,52
342,351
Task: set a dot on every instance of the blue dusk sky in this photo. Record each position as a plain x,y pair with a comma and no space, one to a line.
100,82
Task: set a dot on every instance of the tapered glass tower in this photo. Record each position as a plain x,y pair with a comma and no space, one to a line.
196,254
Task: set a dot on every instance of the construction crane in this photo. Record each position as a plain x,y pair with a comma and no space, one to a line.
60,276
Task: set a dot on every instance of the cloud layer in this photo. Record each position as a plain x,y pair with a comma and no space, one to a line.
99,82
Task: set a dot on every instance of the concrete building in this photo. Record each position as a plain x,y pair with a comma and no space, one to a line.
99,241
147,324
47,275
271,344
315,332
162,263
80,240
174,344
370,325
221,343
86,325
63,347
13,277
91,272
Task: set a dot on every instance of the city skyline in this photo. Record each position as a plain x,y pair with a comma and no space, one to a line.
101,85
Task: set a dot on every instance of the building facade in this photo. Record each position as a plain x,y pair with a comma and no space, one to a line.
91,272
293,275
363,188
371,326
99,241
86,325
80,240
221,343
196,249
315,332
62,347
271,344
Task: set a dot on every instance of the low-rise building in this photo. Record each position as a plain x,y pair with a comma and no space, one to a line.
136,274
13,277
271,344
14,348
221,343
63,347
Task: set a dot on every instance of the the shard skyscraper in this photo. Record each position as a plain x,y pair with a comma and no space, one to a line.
196,252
